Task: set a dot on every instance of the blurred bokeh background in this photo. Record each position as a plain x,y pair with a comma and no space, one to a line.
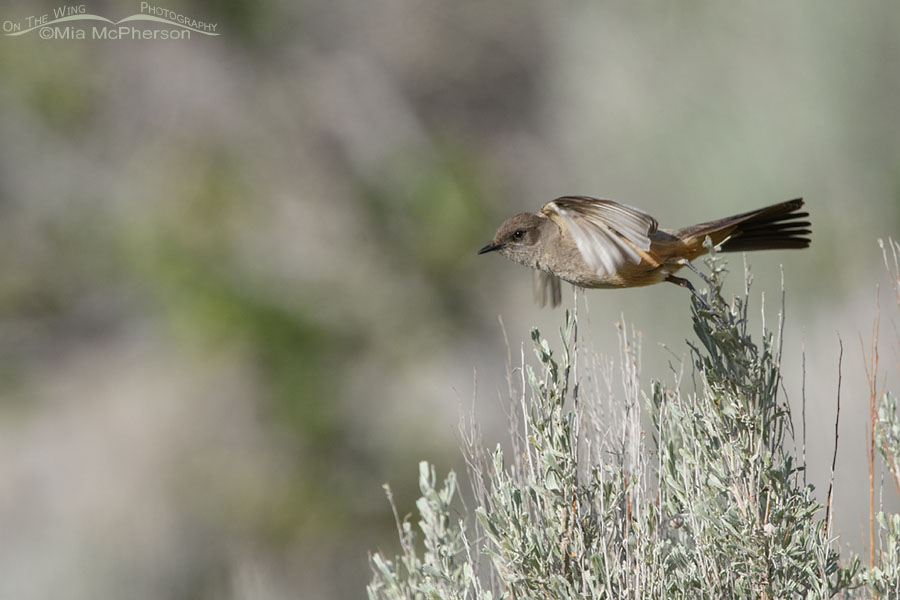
239,289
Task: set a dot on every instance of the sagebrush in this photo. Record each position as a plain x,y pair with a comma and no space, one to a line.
682,489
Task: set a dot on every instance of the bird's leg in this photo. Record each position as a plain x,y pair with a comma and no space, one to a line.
685,262
681,281
687,284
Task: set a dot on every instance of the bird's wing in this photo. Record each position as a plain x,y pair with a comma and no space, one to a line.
547,286
607,234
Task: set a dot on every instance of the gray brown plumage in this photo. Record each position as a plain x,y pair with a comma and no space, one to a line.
596,243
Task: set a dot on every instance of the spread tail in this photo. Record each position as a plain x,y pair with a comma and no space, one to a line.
771,228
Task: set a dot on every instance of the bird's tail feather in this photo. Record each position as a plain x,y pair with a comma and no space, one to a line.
778,226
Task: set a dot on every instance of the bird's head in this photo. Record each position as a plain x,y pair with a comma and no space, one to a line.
519,238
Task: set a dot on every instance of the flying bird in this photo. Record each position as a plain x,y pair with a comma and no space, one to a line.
593,243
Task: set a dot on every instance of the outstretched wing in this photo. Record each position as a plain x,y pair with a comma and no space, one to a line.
608,234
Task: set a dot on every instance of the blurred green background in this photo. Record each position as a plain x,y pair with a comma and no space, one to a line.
238,282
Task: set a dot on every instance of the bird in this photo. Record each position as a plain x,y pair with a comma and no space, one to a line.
595,243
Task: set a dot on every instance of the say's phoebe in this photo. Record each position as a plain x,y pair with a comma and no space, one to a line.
595,243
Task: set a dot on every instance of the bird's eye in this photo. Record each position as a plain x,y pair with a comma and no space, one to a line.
518,235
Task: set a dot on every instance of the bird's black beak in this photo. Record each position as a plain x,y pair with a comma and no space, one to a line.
490,248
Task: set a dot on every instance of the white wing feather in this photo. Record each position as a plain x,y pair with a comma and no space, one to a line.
607,234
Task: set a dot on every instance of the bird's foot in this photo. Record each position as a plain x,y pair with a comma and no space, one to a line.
681,281
686,263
